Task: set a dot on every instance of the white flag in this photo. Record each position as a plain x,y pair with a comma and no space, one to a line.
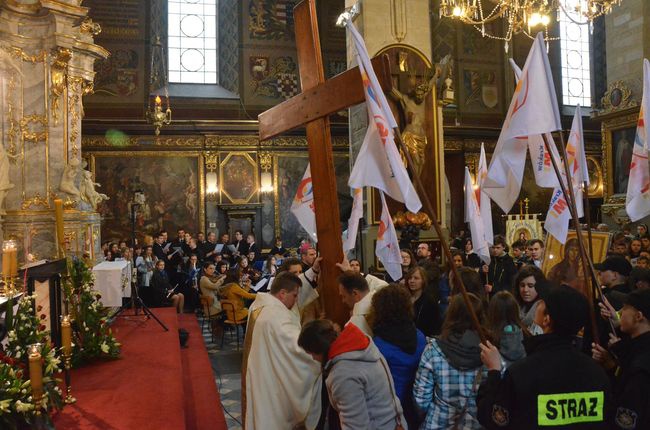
387,248
559,215
484,200
303,204
353,223
379,164
533,111
637,200
473,217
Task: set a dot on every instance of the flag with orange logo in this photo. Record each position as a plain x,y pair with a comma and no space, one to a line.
637,200
387,247
379,163
559,214
303,204
473,217
353,223
533,111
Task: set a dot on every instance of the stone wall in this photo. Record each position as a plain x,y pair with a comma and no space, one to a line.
627,44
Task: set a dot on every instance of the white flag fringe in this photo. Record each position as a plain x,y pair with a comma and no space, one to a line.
379,163
559,215
387,248
533,111
484,200
473,217
353,223
637,200
303,205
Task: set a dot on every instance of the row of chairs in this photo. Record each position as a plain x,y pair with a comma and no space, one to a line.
229,325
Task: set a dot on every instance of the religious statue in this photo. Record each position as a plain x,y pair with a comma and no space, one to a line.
414,134
5,184
87,190
69,177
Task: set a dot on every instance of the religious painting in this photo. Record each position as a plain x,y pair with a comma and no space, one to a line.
270,19
480,89
289,169
171,185
118,76
523,227
618,134
238,177
562,263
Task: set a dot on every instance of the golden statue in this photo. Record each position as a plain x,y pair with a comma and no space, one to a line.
414,134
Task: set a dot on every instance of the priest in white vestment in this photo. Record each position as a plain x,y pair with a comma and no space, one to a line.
282,382
356,294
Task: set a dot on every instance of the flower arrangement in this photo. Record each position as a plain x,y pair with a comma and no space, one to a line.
93,336
16,405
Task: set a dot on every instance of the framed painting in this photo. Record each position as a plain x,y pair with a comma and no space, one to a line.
618,133
562,263
171,183
288,170
238,176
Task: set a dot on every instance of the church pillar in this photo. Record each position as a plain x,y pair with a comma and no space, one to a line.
400,23
48,54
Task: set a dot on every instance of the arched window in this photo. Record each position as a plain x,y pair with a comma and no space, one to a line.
576,58
192,41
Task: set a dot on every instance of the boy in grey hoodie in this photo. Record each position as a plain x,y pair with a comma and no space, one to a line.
358,381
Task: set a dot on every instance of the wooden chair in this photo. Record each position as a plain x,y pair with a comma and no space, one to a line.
231,322
206,304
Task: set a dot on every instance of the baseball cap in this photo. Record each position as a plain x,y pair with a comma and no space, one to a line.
615,264
640,300
567,307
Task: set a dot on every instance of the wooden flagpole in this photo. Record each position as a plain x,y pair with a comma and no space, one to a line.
587,265
443,242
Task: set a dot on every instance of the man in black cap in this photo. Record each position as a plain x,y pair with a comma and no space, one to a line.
613,273
632,364
555,385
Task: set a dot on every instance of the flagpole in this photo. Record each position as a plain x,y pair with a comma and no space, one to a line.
586,263
443,242
588,218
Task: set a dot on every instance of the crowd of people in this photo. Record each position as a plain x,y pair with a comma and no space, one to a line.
411,356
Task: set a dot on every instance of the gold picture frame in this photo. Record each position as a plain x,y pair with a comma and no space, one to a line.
238,177
618,132
562,262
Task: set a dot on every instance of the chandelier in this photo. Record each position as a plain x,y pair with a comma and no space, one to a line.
523,16
157,110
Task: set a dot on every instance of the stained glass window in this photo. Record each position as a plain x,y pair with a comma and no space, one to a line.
576,59
192,41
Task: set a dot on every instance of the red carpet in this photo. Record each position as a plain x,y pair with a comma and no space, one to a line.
202,404
146,388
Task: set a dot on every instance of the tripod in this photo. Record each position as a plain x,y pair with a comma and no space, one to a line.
136,301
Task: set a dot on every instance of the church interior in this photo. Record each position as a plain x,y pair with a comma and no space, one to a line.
213,119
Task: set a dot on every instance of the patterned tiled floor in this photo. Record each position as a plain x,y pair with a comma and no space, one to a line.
226,364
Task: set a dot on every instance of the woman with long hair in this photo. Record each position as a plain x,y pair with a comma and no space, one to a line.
426,314
505,326
569,270
270,267
471,258
525,292
450,371
399,341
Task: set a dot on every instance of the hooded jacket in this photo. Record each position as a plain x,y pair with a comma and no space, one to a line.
359,384
555,386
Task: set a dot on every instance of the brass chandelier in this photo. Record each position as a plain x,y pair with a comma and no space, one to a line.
523,16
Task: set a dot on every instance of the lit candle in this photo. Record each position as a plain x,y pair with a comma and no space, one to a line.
6,265
66,335
13,262
58,213
36,372
158,102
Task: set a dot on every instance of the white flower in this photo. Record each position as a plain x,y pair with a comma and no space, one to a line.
23,407
104,348
5,406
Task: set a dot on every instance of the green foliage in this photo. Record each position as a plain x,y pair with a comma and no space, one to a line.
16,405
93,337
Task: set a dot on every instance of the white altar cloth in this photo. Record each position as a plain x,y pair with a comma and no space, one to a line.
113,281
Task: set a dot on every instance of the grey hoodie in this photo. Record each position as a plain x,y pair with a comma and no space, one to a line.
360,388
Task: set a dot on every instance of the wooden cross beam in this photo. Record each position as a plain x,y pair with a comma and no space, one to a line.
319,99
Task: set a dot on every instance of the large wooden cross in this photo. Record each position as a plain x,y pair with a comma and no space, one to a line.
318,100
